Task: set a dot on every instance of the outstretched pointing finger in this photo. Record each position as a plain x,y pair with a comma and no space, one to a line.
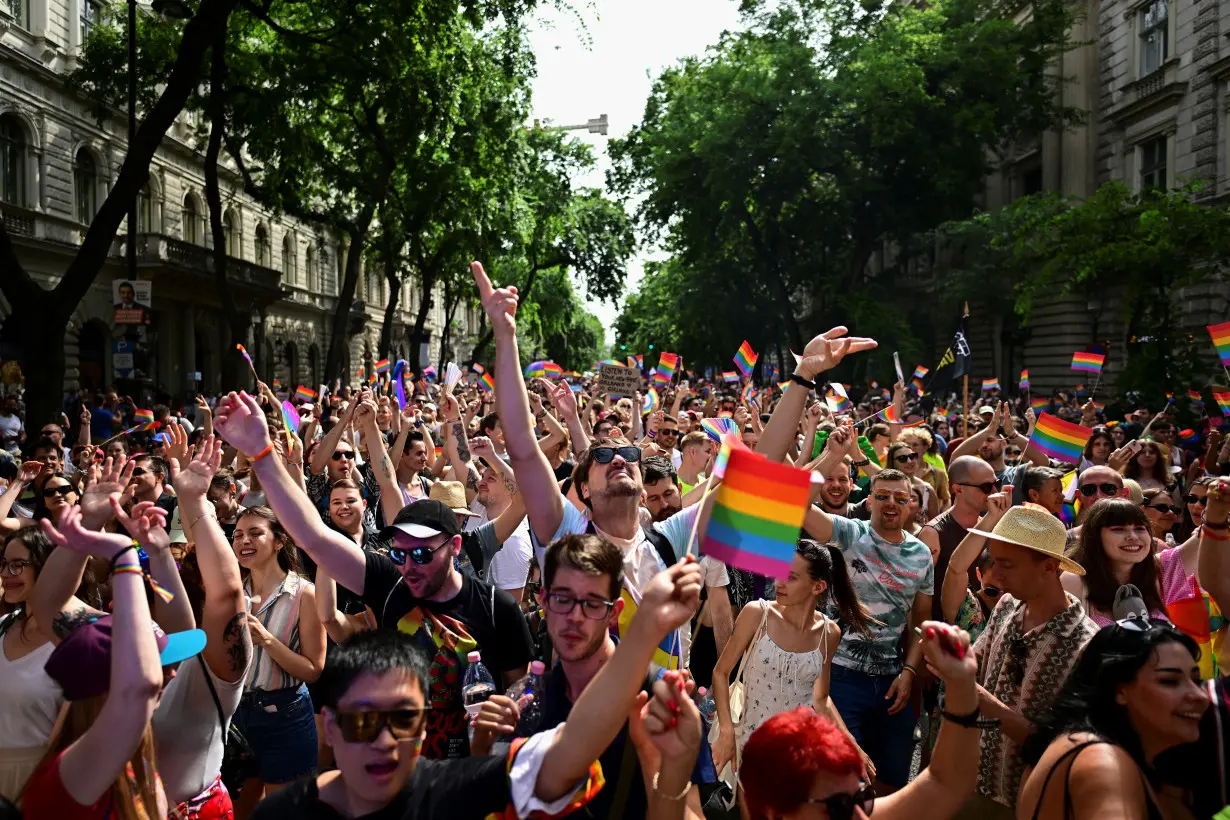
480,278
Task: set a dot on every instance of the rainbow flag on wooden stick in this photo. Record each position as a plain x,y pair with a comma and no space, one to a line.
305,393
145,416
1221,341
487,382
1088,362
667,364
757,513
745,358
1059,439
1024,383
990,384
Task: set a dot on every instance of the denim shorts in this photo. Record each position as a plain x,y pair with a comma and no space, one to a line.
280,728
888,739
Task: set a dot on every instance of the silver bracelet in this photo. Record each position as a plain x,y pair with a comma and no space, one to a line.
687,787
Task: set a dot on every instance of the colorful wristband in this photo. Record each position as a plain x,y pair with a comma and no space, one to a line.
262,454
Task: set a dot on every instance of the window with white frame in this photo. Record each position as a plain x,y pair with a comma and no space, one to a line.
87,18
288,258
263,251
12,160
145,210
1154,36
192,222
1152,158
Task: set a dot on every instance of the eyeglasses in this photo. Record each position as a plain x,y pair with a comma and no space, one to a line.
991,591
562,604
14,568
364,727
987,487
1164,508
418,555
50,433
64,490
1106,488
842,806
905,458
1202,500
341,454
900,498
605,455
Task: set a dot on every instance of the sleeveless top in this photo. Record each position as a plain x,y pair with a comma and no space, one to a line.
951,533
31,701
776,681
1154,812
280,615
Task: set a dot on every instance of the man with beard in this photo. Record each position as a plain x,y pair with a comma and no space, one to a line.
838,482
989,443
972,481
715,623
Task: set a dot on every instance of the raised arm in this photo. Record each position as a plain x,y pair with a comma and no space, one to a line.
206,415
147,526
28,472
956,578
544,503
83,426
565,402
973,444
320,458
240,421
1214,565
382,466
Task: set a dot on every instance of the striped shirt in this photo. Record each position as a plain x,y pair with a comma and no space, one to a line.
280,615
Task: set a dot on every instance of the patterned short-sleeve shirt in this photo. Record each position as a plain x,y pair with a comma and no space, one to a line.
1025,672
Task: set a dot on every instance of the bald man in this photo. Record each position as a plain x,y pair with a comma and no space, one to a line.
1093,485
972,480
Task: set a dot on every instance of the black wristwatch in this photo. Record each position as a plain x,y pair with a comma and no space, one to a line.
974,720
802,382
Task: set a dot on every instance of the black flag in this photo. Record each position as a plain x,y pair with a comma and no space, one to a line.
955,362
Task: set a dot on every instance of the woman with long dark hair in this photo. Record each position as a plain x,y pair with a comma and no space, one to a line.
1134,693
1160,509
1097,449
1194,504
789,644
1115,548
56,495
275,713
1150,467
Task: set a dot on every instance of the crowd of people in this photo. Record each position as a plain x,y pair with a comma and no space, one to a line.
488,599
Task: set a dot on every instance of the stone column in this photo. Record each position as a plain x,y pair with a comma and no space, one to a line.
188,348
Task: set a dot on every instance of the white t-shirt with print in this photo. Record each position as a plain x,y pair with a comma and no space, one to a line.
510,566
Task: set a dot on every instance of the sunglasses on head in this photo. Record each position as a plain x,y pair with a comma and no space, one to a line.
1197,499
900,498
1164,508
48,492
905,458
418,555
987,487
605,455
341,454
1090,490
842,806
364,727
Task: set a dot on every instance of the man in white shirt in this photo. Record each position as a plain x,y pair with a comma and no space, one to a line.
12,430
510,567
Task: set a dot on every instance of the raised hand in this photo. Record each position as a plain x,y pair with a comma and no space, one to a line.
72,535
86,418
107,482
671,720
565,401
192,480
828,349
203,405
481,447
1218,508
147,524
947,652
1119,458
997,505
365,417
241,423
499,303
29,471
177,447
670,599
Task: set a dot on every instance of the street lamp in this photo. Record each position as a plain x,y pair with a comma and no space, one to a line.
600,125
174,10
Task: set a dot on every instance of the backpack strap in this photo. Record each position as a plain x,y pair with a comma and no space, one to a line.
662,546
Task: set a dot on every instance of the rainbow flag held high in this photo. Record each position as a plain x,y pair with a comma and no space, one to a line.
372,379
146,416
1059,439
290,418
478,368
305,393
917,384
487,382
837,400
383,366
757,514
1024,383
920,372
748,393
1189,437
716,428
989,385
277,384
1223,401
652,401
144,427
668,363
730,377
359,375
1221,341
890,414
745,358
1088,362
1195,398
247,358
1099,406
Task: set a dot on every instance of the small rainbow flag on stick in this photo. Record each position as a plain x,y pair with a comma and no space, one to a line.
745,358
716,428
290,419
478,368
1221,341
1024,383
1059,439
652,401
920,372
1223,401
486,382
141,428
667,365
247,358
1195,397
145,416
757,514
1039,403
730,377
305,393
383,366
1088,362
837,400
989,385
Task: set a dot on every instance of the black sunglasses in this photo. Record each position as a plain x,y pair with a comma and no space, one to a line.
1089,490
48,492
605,455
1202,500
1164,508
905,458
364,727
842,806
669,432
341,454
987,487
418,555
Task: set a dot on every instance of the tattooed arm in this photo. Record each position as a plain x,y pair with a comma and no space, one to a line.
399,444
381,465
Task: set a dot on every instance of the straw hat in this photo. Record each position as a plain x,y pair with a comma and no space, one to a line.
1033,527
453,495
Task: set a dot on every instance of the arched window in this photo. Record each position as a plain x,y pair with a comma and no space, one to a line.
234,239
288,258
12,160
262,246
85,180
193,224
310,272
145,210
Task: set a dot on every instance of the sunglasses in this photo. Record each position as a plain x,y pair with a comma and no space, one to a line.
668,432
900,498
1013,453
562,604
987,487
991,591
1090,490
140,471
14,568
842,806
341,454
1164,508
365,727
605,455
906,458
49,492
418,555
1202,500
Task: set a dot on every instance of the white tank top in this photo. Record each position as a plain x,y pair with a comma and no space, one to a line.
31,701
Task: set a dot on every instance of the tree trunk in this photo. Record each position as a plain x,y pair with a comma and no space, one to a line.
452,298
427,278
390,308
53,309
340,334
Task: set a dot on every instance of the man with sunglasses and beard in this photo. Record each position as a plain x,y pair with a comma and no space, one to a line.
416,588
972,481
1093,485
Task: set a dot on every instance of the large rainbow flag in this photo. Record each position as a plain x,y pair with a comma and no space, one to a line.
1221,341
1059,439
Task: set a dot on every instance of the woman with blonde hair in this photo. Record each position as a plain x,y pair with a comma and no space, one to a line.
1150,467
932,469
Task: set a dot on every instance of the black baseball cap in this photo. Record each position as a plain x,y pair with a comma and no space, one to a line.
424,519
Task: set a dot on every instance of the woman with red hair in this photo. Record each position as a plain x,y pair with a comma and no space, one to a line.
800,765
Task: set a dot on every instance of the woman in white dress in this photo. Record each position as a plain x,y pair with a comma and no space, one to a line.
789,646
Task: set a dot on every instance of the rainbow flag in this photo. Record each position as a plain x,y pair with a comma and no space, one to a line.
890,414
990,384
920,372
247,358
1189,437
837,402
1088,362
305,393
146,416
553,370
668,363
652,401
1099,406
749,393
1221,341
478,368
277,384
290,418
757,514
486,382
716,428
917,384
1024,383
730,377
383,366
429,373
1195,397
359,375
372,379
1223,401
730,443
783,385
146,427
745,358
1059,439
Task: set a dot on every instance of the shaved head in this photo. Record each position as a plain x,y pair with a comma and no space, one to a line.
970,470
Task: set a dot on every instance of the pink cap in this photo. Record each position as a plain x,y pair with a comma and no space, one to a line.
474,657
538,667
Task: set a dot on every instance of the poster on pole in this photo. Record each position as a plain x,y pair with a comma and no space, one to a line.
132,301
617,380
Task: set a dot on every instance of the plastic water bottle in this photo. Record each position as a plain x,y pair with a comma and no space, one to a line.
476,686
707,705
531,684
1170,542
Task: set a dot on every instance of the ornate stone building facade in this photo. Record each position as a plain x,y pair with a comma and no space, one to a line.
57,164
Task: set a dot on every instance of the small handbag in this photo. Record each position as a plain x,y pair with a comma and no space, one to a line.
730,772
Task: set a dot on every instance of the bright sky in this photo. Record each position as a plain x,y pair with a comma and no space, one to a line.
632,42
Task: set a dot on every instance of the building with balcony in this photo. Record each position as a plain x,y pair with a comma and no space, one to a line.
57,164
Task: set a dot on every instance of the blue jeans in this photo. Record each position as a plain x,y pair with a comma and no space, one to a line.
888,739
281,730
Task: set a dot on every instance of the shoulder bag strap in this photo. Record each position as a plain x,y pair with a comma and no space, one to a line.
764,620
628,764
213,693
